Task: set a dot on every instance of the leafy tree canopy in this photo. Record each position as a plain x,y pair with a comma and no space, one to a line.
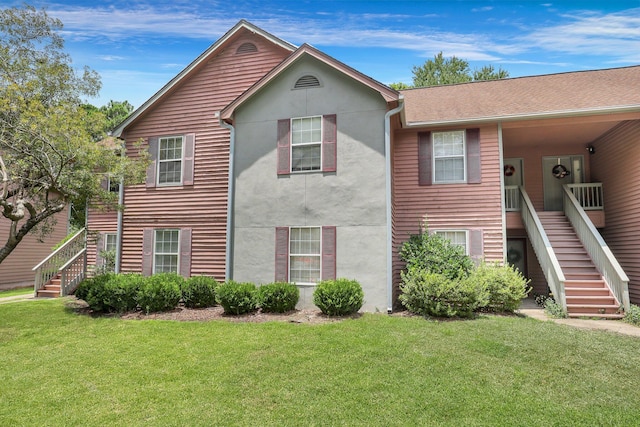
48,157
443,71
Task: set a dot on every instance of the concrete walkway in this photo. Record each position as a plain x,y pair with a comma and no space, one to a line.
530,309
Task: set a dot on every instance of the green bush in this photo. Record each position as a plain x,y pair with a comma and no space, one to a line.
278,297
432,294
553,309
237,298
160,292
111,292
435,254
338,297
632,315
504,284
199,292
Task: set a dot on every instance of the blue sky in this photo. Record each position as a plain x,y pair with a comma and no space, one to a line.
139,45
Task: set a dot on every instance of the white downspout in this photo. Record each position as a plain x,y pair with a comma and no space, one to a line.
228,271
120,220
502,203
387,150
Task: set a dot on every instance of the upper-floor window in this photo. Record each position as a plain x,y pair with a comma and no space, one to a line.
306,141
449,161
170,160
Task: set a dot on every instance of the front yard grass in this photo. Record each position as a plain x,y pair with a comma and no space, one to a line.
15,292
61,368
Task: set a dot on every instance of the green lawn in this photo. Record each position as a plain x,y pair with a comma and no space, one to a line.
61,368
18,291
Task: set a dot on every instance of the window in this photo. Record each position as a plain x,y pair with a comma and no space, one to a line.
110,240
306,142
113,184
449,157
166,250
304,255
170,160
456,237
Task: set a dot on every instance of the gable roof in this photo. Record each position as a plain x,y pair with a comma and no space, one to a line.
206,55
553,95
387,93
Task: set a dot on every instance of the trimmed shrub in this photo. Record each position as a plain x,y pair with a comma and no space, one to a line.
338,297
432,294
506,287
160,292
278,297
199,292
435,254
111,293
632,316
237,298
85,286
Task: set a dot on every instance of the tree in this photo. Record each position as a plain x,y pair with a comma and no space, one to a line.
47,156
443,71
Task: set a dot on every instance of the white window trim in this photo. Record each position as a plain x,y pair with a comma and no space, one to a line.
110,181
158,161
291,145
319,255
106,240
464,157
453,230
154,253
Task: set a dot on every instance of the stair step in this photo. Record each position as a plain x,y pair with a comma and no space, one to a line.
585,284
593,309
48,293
598,300
571,292
611,316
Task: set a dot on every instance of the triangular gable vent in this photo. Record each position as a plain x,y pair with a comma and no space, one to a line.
307,82
246,48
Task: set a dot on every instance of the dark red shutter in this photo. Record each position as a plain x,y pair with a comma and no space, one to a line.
329,143
328,253
284,146
188,158
424,158
476,244
282,254
147,251
99,249
185,252
153,157
474,172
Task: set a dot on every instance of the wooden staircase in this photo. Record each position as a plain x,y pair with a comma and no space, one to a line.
586,291
51,289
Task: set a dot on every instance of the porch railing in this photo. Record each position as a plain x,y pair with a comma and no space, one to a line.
542,247
589,196
64,261
512,198
596,247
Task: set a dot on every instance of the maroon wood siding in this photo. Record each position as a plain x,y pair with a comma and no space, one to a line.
99,222
615,164
16,269
190,108
473,207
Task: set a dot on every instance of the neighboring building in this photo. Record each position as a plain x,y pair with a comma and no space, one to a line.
17,269
331,171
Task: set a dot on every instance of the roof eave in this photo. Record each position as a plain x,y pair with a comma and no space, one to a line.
527,116
242,24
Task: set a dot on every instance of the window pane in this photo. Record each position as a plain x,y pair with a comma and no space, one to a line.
170,172
110,242
304,260
166,264
458,238
167,246
306,158
449,170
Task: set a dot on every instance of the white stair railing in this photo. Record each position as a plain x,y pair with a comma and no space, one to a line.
596,247
588,195
64,261
542,247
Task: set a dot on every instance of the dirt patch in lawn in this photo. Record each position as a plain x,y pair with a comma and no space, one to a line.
184,314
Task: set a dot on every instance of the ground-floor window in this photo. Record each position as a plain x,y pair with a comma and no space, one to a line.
304,254
456,237
166,251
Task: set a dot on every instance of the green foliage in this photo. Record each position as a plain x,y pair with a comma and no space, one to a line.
278,297
435,254
47,153
160,292
338,297
632,315
236,297
199,292
504,284
111,293
443,71
432,294
553,309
